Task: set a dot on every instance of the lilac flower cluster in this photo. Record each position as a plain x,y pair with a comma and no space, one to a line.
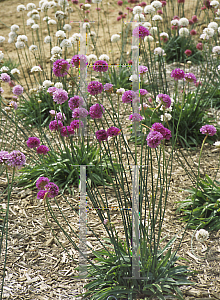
135,117
95,88
51,90
165,99
61,67
96,111
68,130
127,96
55,125
143,92
60,96
140,31
42,149
45,186
5,77
177,74
143,69
190,77
100,66
157,134
75,124
103,135
208,130
15,159
79,60
80,112
108,87
17,90
34,142
60,116
75,102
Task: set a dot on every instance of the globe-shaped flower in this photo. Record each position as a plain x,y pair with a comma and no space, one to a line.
75,124
140,31
4,155
127,96
177,74
61,67
41,182
208,129
113,131
75,102
33,142
166,133
54,125
101,135
165,99
190,77
67,130
60,96
154,138
100,66
17,90
135,117
143,92
52,190
79,112
143,69
16,159
96,111
42,149
79,60
95,88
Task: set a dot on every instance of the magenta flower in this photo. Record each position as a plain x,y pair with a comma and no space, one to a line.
140,31
166,133
42,149
100,66
143,69
41,194
190,77
41,182
5,77
17,90
60,96
16,159
135,117
33,142
67,130
75,102
60,116
113,131
108,87
96,111
143,92
208,129
79,60
61,67
177,74
80,112
13,104
4,155
52,190
54,125
165,99
1,90
188,52
51,90
101,135
95,88
154,138
127,96
75,124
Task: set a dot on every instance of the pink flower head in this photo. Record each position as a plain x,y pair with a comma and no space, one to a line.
41,194
5,77
165,99
100,66
135,117
143,4
119,18
174,27
159,12
199,46
95,88
4,156
51,90
163,3
11,83
17,90
191,22
127,96
195,19
101,135
52,189
166,133
67,130
190,77
177,74
61,67
54,125
176,18
75,102
42,149
60,116
60,96
79,112
154,138
108,87
193,32
33,142
96,111
79,60
16,159
120,3
75,124
41,182
181,1
208,129
188,52
143,92
143,69
140,31
113,131
13,104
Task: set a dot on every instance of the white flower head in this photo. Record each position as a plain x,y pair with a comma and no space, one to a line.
115,38
202,235
4,69
175,22
52,4
159,51
55,57
63,3
214,4
1,55
183,32
60,34
58,85
137,10
19,45
35,17
149,9
69,10
166,117
2,39
216,50
164,34
45,6
209,31
92,33
59,15
134,77
14,28
47,83
87,6
157,18
66,43
92,58
104,57
120,91
156,4
15,71
204,36
67,27
147,25
148,38
56,50
183,22
33,48
76,36
52,22
217,144
21,7
35,27
22,38
153,30
30,22
47,39
31,6
139,18
96,1
46,18
36,69
213,25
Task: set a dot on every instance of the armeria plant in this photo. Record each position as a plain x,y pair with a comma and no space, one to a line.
56,152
